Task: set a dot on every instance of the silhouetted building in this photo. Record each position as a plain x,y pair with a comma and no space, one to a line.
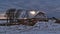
10,15
40,15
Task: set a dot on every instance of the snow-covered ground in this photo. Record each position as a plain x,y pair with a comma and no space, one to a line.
39,28
3,21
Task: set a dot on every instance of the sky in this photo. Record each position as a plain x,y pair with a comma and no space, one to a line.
51,7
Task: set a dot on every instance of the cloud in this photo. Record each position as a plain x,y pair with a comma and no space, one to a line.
50,6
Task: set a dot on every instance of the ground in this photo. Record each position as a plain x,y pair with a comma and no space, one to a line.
39,28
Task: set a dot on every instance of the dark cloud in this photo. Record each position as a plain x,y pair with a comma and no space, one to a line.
52,7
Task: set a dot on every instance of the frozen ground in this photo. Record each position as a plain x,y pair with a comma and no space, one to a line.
38,28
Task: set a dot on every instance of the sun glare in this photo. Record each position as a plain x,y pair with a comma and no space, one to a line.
32,12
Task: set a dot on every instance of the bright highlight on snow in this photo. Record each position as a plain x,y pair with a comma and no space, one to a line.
25,18
33,12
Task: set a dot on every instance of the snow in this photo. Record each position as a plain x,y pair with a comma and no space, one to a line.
39,28
3,21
